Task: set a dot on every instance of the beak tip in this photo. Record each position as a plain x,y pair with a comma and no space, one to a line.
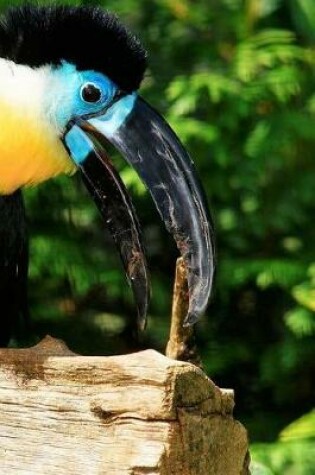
142,324
142,319
140,285
191,319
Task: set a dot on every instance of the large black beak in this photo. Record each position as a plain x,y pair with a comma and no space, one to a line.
114,204
148,143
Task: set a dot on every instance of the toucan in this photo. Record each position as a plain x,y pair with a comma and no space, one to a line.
69,80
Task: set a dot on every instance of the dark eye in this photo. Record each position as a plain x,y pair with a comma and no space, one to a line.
91,93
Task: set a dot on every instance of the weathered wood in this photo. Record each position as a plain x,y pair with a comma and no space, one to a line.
181,345
64,414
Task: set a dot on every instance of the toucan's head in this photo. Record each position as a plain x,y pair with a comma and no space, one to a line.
68,83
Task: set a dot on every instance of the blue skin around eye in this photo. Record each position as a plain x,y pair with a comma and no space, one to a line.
66,103
78,143
63,99
106,86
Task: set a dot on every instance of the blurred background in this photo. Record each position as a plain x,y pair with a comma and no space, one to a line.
236,79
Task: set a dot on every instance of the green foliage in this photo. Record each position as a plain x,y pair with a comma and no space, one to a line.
283,458
293,454
302,428
301,321
236,80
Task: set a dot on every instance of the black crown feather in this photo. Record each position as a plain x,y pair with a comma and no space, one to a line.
89,37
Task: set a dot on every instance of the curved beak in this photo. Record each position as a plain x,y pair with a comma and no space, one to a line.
112,199
148,143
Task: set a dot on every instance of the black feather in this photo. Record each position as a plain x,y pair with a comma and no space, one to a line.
89,37
13,265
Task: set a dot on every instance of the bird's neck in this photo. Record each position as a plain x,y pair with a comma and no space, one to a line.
30,148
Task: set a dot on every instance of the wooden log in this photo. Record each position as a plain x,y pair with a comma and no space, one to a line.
138,414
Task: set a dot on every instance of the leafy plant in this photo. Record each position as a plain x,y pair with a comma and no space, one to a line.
236,80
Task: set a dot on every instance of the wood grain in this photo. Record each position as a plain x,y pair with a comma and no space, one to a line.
137,414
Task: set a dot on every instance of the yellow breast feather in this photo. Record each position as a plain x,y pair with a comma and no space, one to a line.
30,150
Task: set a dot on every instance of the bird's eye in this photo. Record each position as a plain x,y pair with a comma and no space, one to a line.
91,93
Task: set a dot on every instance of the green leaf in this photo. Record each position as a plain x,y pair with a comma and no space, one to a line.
302,428
257,139
285,458
303,12
304,294
301,321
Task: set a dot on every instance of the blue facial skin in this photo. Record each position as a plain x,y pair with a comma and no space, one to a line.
78,144
65,103
109,123
64,97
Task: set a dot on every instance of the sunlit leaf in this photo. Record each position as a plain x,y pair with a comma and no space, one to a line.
301,321
302,428
305,295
